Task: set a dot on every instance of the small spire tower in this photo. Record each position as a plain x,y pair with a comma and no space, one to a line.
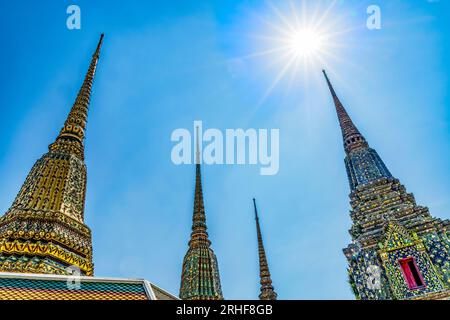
267,290
200,279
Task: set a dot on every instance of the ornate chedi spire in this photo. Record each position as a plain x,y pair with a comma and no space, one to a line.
353,139
44,231
73,133
200,279
267,291
398,250
363,164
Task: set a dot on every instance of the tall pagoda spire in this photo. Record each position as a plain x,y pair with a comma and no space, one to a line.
199,233
72,134
398,250
353,139
44,230
200,279
267,290
363,164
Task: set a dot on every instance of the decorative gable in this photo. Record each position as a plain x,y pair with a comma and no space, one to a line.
396,237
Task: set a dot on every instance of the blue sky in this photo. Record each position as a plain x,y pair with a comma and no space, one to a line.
165,64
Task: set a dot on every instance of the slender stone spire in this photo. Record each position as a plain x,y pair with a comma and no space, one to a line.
44,230
200,279
72,134
363,163
353,139
267,290
199,233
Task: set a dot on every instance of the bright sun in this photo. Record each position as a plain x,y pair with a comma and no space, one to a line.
304,43
297,39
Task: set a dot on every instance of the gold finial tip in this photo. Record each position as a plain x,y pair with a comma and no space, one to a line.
99,45
256,210
100,41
